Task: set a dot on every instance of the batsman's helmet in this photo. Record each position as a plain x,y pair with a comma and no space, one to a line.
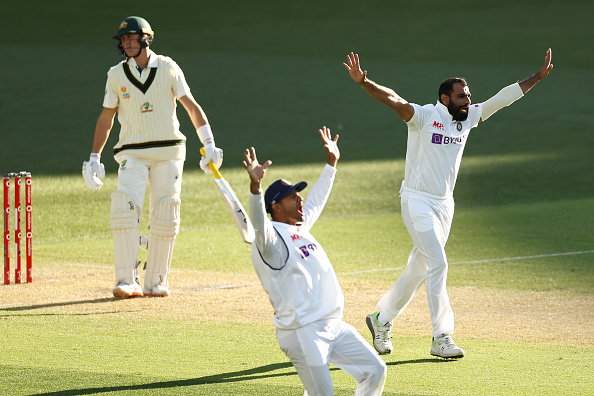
132,25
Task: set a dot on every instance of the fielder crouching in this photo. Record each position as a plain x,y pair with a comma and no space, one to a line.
301,284
151,150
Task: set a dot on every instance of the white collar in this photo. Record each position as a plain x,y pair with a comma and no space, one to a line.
443,110
286,225
153,60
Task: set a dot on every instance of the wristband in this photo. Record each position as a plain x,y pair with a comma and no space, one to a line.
95,155
204,133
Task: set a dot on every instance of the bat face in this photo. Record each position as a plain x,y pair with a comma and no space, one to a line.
242,221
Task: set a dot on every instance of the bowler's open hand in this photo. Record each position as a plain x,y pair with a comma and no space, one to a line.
547,67
354,68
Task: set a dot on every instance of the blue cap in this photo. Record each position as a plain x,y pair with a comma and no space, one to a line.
278,190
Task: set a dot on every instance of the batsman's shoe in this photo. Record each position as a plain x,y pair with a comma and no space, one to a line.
380,333
443,346
124,290
158,291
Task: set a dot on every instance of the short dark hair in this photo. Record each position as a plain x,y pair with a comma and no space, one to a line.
447,87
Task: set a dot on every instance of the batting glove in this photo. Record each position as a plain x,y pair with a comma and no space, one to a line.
93,171
211,153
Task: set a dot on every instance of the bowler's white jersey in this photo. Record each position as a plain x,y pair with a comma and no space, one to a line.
434,150
292,265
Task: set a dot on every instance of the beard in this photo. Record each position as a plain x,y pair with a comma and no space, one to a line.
457,113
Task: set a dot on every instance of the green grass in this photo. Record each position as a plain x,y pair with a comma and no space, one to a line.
360,231
269,74
89,355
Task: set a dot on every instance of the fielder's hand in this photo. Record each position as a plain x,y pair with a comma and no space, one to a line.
93,171
254,169
211,153
330,145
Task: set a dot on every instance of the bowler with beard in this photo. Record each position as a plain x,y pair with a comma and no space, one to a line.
437,135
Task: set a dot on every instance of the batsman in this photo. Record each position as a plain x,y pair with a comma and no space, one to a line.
437,136
143,90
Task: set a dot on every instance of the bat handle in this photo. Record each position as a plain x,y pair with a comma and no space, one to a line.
214,170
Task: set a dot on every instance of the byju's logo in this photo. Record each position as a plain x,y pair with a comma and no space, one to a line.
437,138
440,139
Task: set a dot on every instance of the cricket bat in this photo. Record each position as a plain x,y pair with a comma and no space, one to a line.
242,221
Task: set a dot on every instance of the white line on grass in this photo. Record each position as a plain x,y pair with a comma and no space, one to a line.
226,287
359,272
480,261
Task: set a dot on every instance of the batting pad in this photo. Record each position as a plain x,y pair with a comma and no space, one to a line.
126,236
164,227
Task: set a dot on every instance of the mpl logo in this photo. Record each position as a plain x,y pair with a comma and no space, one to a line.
438,125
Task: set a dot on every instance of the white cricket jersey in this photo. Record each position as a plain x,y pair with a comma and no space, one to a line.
434,150
292,265
146,103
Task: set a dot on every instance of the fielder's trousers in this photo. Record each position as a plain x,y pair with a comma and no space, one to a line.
428,221
311,348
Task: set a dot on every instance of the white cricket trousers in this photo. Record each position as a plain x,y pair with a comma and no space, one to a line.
311,348
428,221
163,177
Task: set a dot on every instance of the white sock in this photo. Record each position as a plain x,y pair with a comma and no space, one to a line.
382,319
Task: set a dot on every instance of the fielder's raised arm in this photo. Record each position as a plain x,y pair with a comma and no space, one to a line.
331,146
385,95
542,73
257,171
513,92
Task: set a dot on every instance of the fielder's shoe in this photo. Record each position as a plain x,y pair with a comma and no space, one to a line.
380,333
443,346
158,291
124,290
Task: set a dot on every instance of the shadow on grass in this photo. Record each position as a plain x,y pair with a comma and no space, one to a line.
60,304
236,376
417,361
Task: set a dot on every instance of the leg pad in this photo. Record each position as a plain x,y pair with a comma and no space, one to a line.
164,227
126,236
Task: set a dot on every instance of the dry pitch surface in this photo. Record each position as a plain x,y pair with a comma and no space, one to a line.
543,317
